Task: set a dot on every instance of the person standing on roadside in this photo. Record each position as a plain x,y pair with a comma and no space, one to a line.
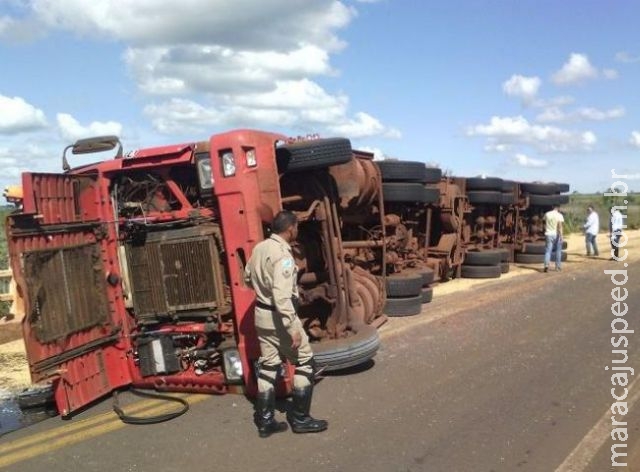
591,228
615,231
271,271
553,220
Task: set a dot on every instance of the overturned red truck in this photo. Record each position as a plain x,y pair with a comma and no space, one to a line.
130,269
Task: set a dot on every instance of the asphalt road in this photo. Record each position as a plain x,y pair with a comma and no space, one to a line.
509,376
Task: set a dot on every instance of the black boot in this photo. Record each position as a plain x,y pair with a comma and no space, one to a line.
264,416
298,416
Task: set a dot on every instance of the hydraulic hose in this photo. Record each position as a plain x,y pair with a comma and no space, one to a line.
150,419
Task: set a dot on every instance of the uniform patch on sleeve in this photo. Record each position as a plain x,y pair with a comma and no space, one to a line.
287,267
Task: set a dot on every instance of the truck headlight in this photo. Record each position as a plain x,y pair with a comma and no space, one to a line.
232,365
228,164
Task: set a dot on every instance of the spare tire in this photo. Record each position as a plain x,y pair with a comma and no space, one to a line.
315,154
347,352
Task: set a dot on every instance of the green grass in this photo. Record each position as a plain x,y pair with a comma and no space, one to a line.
575,212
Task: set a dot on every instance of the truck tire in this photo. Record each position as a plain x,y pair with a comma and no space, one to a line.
508,198
538,248
426,295
539,188
409,192
431,195
537,258
434,175
508,186
486,183
403,306
482,258
548,200
316,154
504,267
484,196
427,274
403,171
481,272
348,352
563,188
404,284
35,397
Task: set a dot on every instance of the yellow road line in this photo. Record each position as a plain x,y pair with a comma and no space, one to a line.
66,436
136,407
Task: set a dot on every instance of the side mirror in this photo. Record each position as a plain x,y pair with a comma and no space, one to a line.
91,145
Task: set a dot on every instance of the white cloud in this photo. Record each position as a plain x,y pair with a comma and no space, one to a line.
524,87
363,125
237,24
557,115
17,116
560,101
497,147
576,69
525,161
517,130
626,58
71,130
610,74
225,62
635,139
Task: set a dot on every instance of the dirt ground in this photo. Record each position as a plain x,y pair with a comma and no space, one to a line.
14,372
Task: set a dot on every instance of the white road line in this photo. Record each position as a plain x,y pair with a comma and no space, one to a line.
590,445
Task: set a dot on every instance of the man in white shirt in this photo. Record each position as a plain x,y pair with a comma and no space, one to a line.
615,231
553,237
591,228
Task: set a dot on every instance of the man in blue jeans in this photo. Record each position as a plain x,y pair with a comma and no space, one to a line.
591,228
553,220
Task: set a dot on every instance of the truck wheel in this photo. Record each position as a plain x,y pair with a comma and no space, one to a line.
538,258
482,196
405,171
409,192
403,306
563,188
538,248
481,272
539,188
482,258
404,284
316,154
487,183
347,352
508,198
508,186
426,294
529,258
427,274
548,200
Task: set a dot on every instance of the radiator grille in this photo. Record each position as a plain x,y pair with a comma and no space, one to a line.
171,273
67,290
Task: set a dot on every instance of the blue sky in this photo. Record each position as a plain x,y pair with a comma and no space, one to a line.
528,89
